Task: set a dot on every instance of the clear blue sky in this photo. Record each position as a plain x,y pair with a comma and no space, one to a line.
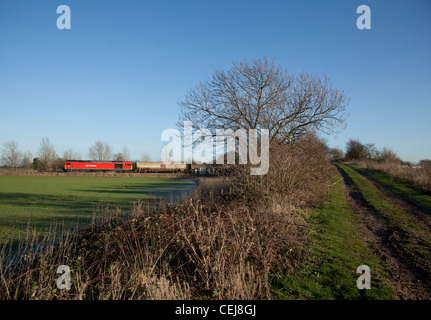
117,75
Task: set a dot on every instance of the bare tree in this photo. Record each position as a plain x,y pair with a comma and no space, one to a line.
336,154
27,160
47,155
11,157
355,150
118,157
100,151
126,153
388,155
145,157
122,156
259,95
371,151
69,154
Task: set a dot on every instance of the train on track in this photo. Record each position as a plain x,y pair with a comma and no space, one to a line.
137,166
97,166
141,166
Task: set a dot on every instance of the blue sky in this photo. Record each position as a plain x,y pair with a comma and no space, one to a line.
117,74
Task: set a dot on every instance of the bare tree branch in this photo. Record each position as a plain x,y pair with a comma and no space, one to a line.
259,95
100,151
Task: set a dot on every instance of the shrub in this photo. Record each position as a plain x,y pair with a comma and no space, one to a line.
299,174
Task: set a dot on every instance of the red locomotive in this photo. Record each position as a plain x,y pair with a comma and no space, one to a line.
89,165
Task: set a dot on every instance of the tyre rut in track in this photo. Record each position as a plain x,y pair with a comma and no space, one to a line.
407,276
419,214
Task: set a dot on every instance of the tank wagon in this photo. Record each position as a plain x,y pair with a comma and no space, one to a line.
97,166
141,166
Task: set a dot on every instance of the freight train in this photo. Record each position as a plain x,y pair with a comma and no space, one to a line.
139,167
124,166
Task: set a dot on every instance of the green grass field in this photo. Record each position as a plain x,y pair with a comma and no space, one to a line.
39,201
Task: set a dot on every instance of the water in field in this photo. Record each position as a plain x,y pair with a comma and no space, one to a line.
39,201
174,193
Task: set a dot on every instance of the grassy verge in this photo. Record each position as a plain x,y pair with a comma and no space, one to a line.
412,192
336,250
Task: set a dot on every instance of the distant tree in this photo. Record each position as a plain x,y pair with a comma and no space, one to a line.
425,162
122,156
371,152
11,156
58,164
100,151
36,164
70,155
336,154
118,157
26,161
355,150
46,155
387,155
126,154
145,157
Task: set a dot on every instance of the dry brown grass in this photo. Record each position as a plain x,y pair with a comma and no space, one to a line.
420,176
